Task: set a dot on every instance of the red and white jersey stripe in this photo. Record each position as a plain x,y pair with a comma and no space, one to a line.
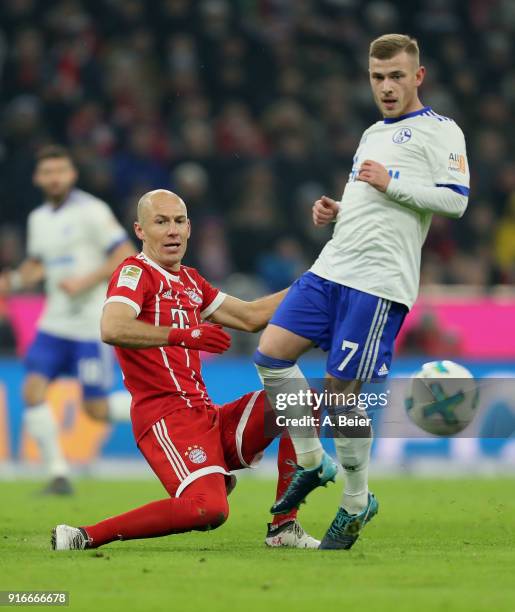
163,378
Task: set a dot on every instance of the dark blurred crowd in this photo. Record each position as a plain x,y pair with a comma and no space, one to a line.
250,110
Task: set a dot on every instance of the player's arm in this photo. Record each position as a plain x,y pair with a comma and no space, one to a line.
446,156
445,199
119,326
247,316
76,285
29,274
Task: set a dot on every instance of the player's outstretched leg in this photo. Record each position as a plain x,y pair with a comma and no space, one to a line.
285,529
202,506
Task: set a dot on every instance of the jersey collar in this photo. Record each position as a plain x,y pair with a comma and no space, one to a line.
420,111
66,202
165,273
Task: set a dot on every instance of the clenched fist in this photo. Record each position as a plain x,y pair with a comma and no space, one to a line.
324,211
203,337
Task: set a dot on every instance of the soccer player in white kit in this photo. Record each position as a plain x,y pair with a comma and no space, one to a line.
74,245
354,299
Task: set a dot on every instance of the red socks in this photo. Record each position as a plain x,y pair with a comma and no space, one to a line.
286,459
203,505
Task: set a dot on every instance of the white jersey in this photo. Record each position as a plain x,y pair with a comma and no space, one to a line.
377,242
71,241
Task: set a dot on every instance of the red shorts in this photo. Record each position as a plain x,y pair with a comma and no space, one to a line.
193,442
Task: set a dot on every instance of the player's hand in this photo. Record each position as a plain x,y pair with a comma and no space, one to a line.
324,211
203,337
374,174
74,286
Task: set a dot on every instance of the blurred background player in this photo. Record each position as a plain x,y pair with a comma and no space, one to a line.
74,245
355,297
154,317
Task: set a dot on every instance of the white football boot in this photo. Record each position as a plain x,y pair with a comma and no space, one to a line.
65,537
289,534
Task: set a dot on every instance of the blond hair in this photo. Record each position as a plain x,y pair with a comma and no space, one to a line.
389,45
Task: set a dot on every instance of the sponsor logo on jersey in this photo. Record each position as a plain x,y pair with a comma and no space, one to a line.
457,163
129,277
167,295
401,136
194,297
196,454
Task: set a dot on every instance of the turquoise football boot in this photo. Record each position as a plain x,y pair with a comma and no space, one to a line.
345,528
303,482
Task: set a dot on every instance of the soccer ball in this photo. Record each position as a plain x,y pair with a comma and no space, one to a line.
443,398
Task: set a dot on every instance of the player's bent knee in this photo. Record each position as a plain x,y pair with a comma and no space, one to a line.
212,514
270,368
281,343
339,385
97,409
34,390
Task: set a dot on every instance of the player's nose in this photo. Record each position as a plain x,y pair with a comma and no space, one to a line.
386,88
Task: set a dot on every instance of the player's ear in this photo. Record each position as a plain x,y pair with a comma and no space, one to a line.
189,228
138,230
419,75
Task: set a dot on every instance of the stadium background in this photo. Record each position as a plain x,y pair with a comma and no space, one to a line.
251,110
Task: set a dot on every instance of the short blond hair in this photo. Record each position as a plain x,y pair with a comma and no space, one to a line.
389,45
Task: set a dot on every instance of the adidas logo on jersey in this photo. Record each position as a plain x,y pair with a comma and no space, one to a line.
167,295
383,370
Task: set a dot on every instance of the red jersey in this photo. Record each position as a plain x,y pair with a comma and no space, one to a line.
162,379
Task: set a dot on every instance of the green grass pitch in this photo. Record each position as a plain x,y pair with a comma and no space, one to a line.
435,545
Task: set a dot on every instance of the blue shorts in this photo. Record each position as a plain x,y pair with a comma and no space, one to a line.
90,361
357,328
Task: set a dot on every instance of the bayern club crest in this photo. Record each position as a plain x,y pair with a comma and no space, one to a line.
194,297
196,454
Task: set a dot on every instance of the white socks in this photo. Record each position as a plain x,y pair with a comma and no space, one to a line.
41,425
354,455
119,407
291,380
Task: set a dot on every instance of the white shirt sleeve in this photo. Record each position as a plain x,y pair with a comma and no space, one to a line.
447,157
106,230
441,199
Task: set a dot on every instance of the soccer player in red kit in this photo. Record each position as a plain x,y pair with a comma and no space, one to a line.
154,315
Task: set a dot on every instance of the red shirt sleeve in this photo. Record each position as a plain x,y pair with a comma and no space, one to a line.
127,285
212,297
